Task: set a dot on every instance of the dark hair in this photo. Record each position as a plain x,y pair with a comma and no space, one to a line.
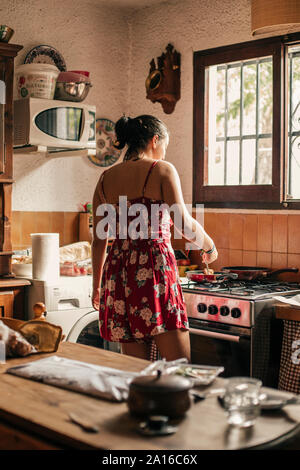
137,132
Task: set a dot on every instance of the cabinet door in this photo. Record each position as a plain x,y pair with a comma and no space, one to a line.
6,303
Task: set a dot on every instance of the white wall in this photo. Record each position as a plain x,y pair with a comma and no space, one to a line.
189,25
91,37
116,45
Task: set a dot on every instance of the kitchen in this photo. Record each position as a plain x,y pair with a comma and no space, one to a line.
48,192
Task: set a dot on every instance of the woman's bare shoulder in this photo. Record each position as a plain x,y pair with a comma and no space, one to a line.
167,169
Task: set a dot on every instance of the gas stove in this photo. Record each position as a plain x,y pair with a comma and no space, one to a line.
233,324
251,290
233,301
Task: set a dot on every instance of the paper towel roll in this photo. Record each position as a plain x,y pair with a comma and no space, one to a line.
45,256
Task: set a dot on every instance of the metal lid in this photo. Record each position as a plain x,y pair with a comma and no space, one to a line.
161,383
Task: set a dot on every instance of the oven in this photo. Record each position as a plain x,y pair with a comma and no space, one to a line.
219,345
243,336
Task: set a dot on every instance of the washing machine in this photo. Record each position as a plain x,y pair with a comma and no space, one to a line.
69,305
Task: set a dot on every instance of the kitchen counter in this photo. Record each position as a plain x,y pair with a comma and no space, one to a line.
35,415
287,312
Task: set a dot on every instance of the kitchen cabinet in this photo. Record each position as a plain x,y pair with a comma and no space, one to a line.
7,54
12,298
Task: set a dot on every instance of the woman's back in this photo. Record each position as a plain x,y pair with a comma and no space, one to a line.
129,178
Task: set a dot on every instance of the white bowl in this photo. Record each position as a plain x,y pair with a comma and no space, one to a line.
22,269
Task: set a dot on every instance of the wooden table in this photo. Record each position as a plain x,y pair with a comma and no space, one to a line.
35,416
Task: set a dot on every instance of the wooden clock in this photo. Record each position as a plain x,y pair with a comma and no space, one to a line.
163,81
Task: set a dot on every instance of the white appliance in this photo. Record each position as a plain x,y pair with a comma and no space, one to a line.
53,126
69,305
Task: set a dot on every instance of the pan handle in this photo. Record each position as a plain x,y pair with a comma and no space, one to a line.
284,270
227,275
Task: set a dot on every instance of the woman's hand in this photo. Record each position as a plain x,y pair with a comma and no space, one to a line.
211,256
96,298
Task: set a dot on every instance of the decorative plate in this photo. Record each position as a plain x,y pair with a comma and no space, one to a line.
106,154
46,55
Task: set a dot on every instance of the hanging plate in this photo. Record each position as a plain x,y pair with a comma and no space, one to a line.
106,154
46,55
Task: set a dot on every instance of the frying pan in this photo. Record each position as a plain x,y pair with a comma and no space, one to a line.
200,276
253,272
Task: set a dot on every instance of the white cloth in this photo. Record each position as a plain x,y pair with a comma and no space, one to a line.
98,381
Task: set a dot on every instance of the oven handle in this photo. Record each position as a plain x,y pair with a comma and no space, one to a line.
214,334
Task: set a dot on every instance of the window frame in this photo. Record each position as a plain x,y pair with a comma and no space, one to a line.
271,196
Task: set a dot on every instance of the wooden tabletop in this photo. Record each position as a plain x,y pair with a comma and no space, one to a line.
41,411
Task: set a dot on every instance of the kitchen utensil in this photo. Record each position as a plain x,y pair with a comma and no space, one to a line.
35,80
269,401
68,76
81,72
200,276
253,272
72,91
198,396
159,394
22,269
198,374
46,55
83,422
156,426
107,154
277,402
6,33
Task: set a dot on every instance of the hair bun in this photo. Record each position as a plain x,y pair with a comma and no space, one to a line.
122,132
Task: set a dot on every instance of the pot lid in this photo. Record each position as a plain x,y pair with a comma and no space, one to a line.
161,383
72,77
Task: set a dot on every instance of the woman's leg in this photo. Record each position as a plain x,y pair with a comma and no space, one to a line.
140,350
174,344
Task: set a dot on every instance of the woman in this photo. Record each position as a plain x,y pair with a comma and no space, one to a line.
140,298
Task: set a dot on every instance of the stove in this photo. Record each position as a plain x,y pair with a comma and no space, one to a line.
233,301
233,324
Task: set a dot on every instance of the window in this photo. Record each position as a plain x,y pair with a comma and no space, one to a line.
247,124
293,184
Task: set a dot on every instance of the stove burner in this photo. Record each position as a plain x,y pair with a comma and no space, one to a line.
243,288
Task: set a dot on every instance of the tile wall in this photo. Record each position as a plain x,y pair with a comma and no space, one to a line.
25,223
267,240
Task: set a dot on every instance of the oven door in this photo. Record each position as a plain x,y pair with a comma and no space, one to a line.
221,345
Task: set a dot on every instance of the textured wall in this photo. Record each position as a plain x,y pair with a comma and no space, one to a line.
189,25
90,36
116,45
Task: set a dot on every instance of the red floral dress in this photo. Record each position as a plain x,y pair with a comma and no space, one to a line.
140,294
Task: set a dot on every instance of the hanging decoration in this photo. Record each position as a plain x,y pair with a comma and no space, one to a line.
163,81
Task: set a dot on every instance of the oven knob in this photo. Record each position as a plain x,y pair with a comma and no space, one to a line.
236,313
224,310
201,308
213,309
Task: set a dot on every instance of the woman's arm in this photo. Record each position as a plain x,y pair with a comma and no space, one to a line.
183,221
99,248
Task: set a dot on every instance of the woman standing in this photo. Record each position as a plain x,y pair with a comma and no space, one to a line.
137,287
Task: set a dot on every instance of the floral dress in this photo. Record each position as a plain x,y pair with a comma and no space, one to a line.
140,294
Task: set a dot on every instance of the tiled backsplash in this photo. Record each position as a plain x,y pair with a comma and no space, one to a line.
25,223
267,240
